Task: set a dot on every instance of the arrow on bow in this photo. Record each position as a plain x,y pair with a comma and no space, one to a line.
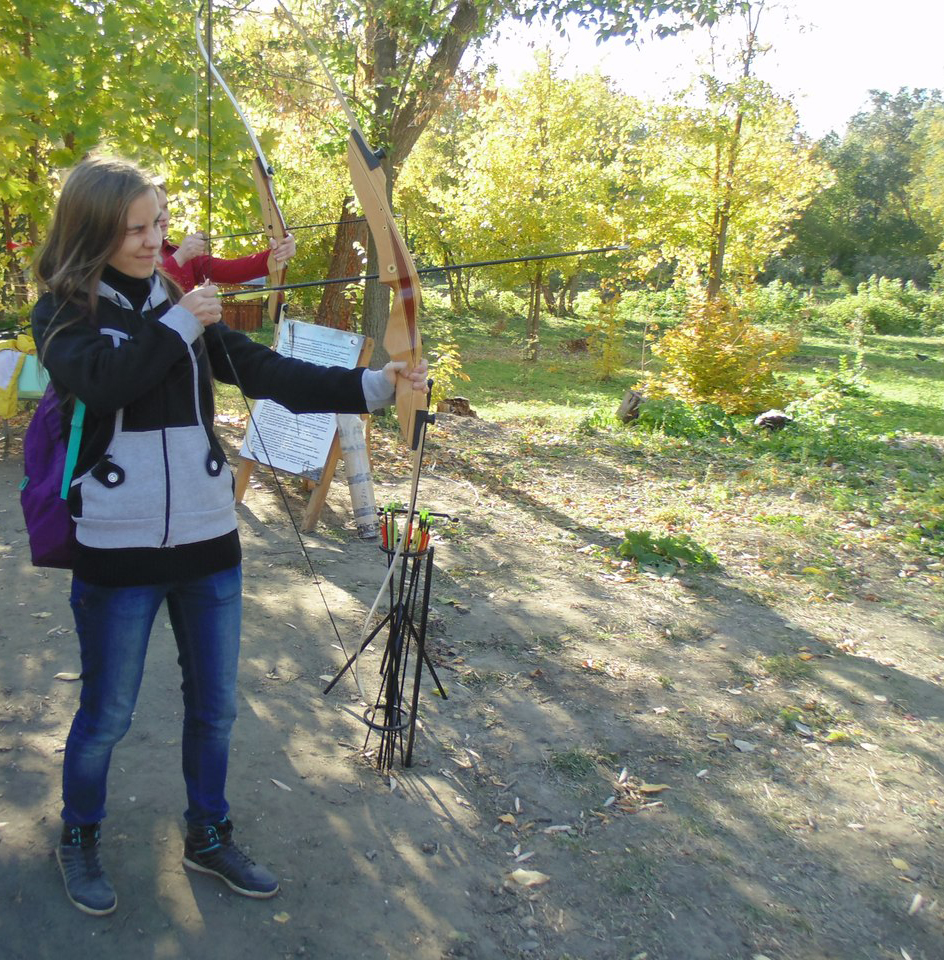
272,220
440,268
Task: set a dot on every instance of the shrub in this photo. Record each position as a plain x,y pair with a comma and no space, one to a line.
663,554
889,307
848,379
501,307
653,306
673,418
716,356
606,333
775,303
447,362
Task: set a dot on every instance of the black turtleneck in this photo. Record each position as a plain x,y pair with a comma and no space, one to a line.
135,289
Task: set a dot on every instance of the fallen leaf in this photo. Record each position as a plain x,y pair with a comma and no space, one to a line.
68,676
280,785
868,746
660,710
900,864
326,677
838,736
529,878
654,787
558,828
702,773
904,953
507,818
719,737
806,656
524,856
282,917
42,615
916,903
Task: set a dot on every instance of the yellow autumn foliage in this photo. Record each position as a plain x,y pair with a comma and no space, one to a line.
716,356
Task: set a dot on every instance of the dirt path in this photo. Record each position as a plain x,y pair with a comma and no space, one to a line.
704,767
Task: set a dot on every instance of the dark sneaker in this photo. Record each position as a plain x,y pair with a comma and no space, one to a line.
86,884
211,850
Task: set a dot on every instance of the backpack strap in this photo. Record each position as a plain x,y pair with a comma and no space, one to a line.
72,451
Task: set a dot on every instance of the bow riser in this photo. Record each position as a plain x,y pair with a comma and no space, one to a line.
402,339
274,225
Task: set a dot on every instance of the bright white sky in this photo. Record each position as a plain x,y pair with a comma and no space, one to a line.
826,56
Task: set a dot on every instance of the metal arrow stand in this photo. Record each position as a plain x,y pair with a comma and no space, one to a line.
393,714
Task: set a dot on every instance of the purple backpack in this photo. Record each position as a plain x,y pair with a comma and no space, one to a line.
48,466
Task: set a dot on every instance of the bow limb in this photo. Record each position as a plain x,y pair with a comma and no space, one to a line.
396,270
272,219
402,339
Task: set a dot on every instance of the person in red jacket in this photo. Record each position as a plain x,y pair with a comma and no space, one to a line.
190,265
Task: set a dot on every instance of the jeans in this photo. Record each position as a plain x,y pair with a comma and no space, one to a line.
114,624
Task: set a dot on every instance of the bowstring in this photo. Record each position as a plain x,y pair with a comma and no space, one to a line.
238,380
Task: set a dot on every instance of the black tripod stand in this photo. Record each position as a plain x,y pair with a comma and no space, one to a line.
393,714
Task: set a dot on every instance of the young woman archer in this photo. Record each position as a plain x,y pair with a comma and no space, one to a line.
152,499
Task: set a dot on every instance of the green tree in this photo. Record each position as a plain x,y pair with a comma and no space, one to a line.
539,176
82,76
725,178
866,222
399,58
927,184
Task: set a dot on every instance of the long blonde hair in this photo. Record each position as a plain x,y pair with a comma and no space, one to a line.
88,227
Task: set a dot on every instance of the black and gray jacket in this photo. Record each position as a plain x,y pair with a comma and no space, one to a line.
151,484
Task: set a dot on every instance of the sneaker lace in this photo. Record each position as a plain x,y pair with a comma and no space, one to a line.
83,862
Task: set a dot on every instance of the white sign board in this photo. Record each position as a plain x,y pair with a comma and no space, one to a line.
299,443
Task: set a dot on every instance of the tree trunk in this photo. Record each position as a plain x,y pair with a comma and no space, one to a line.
454,279
14,281
725,189
568,293
723,214
336,307
534,317
376,310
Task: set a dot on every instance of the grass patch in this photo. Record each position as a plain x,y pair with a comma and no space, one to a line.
576,763
786,669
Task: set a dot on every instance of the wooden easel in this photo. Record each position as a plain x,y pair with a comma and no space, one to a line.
319,491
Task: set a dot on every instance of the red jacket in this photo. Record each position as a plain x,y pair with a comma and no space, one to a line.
202,267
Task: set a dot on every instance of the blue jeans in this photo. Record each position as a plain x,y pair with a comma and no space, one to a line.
114,624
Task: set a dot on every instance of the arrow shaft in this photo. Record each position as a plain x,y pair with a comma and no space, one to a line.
426,270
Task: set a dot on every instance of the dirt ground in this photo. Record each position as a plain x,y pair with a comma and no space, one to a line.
704,767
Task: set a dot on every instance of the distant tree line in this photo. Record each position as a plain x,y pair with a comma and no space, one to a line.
884,214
